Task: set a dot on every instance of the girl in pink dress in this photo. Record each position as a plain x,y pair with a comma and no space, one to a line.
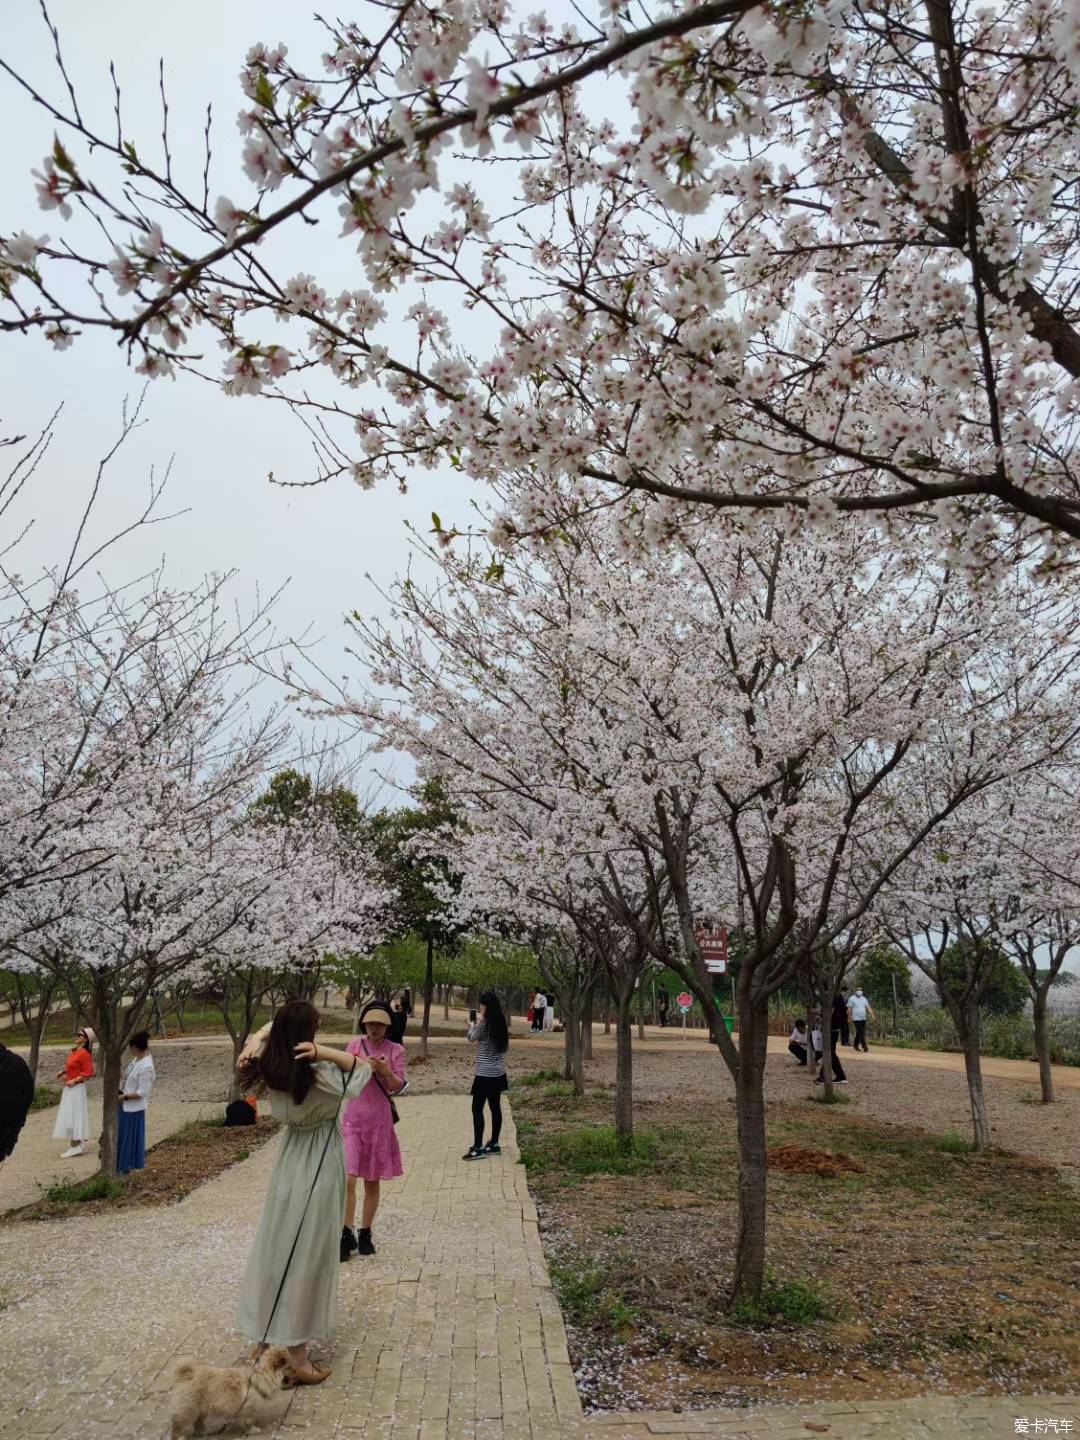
372,1153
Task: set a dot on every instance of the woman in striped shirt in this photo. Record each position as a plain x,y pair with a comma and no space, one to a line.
491,1036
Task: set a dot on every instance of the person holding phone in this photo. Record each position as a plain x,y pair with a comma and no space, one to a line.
372,1152
289,1291
490,1034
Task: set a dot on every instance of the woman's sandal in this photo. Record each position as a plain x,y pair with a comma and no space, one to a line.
315,1377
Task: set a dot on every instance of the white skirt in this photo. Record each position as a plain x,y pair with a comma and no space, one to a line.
73,1116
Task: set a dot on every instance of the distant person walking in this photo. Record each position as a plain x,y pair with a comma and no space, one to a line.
73,1117
491,1037
663,1004
539,1006
134,1098
16,1093
797,1041
859,1008
400,1011
845,1027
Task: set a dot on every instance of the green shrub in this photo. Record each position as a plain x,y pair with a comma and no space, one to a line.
591,1150
98,1187
794,1302
45,1098
539,1077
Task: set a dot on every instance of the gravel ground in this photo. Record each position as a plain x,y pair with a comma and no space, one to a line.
892,1091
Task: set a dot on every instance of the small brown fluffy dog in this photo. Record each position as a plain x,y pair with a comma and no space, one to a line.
211,1392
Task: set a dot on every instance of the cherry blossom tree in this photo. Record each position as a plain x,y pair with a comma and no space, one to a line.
804,713
736,256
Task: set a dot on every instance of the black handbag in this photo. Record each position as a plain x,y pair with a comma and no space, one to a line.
388,1098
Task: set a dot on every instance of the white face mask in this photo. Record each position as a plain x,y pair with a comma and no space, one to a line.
858,992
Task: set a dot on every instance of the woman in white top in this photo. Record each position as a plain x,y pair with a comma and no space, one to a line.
134,1093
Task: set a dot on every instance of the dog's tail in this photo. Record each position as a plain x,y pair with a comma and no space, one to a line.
184,1370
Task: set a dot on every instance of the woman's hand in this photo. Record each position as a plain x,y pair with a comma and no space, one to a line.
307,1050
380,1065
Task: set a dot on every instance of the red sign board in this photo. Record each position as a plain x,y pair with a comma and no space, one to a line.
684,1000
713,945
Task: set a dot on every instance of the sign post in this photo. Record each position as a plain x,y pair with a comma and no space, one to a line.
684,1000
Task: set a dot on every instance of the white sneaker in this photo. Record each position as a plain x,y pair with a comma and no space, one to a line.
75,1150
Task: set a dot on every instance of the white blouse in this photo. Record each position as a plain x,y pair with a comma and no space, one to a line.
138,1080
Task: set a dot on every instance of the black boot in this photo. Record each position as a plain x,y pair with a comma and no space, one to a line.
363,1243
348,1244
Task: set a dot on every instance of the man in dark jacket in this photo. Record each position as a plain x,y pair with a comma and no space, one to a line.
16,1093
839,1008
845,1025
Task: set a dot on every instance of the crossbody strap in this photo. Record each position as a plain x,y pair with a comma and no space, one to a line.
382,1090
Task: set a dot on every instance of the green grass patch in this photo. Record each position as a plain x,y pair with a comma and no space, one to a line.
953,1143
559,1090
836,1098
539,1077
98,1187
587,1299
591,1150
46,1097
792,1302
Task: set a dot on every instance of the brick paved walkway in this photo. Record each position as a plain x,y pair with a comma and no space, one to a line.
451,1333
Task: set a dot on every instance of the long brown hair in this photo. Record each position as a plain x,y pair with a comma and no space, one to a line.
278,1068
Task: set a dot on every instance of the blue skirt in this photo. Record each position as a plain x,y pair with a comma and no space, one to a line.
131,1141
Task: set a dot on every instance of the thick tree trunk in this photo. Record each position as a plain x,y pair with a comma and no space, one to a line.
1042,1049
112,1071
607,1015
446,1002
568,1053
425,1028
624,1069
641,1008
750,1111
969,1036
586,1028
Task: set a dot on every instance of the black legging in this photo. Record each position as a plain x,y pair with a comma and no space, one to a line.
495,1101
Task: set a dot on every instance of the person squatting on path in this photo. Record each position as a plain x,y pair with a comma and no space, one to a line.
797,1041
372,1153
305,1201
859,1007
73,1117
491,1036
134,1098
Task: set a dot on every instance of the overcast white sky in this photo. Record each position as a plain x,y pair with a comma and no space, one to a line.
324,538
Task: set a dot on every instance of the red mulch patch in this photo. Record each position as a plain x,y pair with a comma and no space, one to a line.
797,1160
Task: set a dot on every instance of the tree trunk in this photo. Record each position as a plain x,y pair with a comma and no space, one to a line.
624,1069
968,1025
641,1008
586,1028
568,1051
112,1071
446,1002
826,1047
425,1028
607,1015
750,1112
577,1024
236,1091
1042,1048
35,1052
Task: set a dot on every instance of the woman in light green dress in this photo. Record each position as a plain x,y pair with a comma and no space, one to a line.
307,1085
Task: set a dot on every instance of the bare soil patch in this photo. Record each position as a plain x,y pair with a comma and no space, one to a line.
174,1167
920,1268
